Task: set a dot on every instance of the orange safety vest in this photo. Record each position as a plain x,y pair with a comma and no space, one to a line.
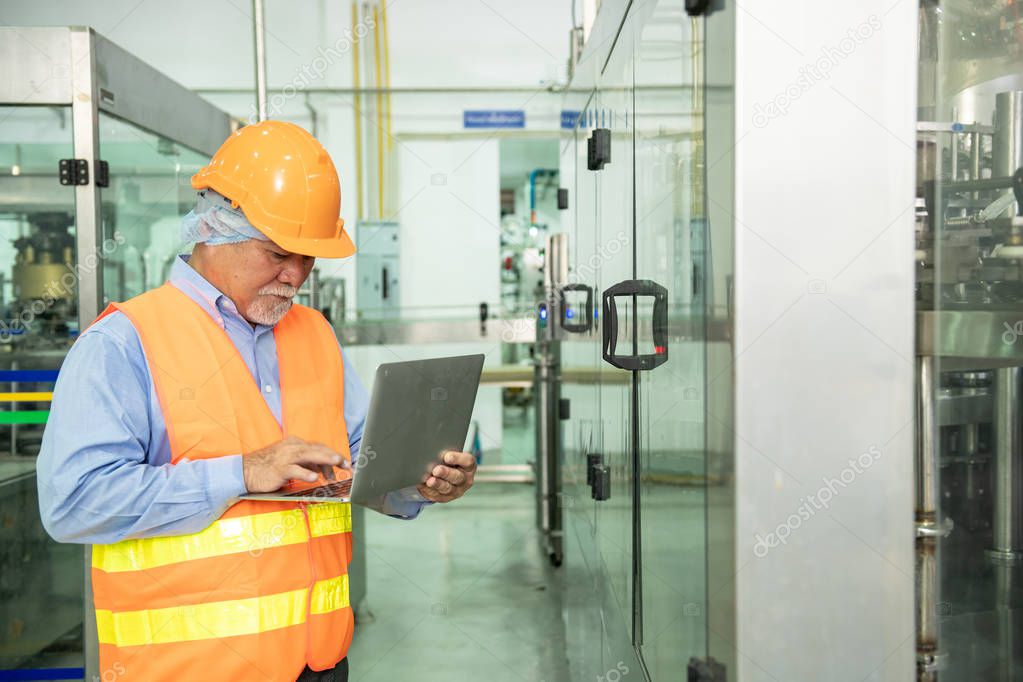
263,591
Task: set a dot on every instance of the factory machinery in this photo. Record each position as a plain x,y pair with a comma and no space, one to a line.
96,149
969,299
39,309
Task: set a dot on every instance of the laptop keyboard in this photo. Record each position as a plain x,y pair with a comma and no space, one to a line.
335,489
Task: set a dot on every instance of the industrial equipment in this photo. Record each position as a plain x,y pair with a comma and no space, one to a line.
377,263
551,408
969,252
96,149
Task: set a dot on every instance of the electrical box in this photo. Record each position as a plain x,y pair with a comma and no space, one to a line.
377,294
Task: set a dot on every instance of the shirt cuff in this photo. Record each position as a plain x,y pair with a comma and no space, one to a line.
410,494
224,481
403,504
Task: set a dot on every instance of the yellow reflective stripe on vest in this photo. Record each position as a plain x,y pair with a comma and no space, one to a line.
220,619
225,536
329,595
329,518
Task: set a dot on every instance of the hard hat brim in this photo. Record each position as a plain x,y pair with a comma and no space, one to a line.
341,246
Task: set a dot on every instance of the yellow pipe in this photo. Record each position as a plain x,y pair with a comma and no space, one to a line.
357,110
387,72
26,397
379,112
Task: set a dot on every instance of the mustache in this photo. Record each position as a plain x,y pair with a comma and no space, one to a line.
284,290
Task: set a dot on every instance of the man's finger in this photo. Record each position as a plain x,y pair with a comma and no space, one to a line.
440,485
300,473
464,460
452,476
430,494
320,455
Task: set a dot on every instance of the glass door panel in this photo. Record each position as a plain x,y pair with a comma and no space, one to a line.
613,111
149,192
671,251
580,360
40,580
969,307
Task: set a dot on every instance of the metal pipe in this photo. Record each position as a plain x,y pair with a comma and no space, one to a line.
14,406
259,38
1006,583
379,115
443,90
547,381
1008,488
385,37
533,174
1008,140
928,531
1002,182
357,114
975,156
927,460
314,116
314,289
955,158
88,238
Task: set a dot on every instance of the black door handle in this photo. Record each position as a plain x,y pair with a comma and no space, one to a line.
636,287
586,323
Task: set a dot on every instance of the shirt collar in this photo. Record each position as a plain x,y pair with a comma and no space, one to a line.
216,304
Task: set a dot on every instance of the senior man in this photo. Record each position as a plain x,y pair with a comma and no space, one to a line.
176,402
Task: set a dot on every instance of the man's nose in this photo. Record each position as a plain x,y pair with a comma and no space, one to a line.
295,270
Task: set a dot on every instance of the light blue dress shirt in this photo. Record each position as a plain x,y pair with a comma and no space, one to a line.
104,471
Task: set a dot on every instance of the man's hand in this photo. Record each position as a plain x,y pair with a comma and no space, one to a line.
451,479
268,469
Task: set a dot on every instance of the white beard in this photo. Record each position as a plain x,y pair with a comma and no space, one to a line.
267,309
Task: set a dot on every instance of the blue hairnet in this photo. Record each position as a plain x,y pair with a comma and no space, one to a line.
213,221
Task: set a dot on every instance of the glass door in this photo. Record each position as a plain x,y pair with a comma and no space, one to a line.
969,507
40,580
640,237
580,362
614,113
149,192
671,253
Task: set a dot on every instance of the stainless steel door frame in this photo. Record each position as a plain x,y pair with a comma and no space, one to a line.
824,347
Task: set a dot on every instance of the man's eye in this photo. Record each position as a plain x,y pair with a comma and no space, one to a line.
278,256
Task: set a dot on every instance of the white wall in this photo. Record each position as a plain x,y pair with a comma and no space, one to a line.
450,226
441,43
438,43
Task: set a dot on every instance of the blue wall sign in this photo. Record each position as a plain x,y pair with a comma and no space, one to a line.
494,118
570,119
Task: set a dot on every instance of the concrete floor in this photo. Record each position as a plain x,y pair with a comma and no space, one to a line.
464,590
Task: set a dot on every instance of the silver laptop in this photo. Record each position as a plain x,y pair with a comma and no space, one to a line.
417,411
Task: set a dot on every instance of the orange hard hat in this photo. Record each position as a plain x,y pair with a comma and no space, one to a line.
286,185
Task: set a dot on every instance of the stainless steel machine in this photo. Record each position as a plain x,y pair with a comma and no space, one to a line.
969,251
96,149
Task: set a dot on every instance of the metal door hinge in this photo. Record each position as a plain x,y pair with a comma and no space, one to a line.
598,149
705,670
102,174
601,488
562,198
76,172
